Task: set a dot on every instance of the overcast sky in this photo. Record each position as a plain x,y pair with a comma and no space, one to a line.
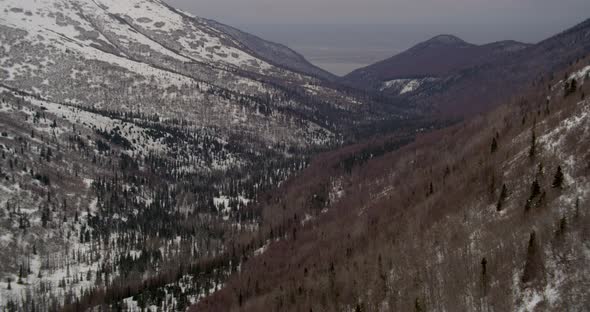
342,35
555,12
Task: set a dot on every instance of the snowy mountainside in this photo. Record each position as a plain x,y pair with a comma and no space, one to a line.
82,190
135,140
276,53
133,56
402,86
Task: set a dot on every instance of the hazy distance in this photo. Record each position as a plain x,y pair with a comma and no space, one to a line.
343,48
342,35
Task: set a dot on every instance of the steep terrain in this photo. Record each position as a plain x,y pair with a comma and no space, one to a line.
490,214
276,53
446,76
136,139
137,56
147,160
92,199
436,58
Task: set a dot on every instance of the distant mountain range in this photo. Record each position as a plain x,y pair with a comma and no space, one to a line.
446,75
437,57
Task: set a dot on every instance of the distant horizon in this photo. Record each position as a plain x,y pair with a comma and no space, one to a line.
318,29
342,48
389,24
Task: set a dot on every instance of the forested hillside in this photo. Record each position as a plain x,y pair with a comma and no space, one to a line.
136,140
152,160
448,76
489,214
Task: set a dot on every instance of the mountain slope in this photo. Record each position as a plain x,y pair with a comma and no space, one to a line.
489,214
430,77
275,53
83,192
478,88
434,58
137,55
145,157
135,140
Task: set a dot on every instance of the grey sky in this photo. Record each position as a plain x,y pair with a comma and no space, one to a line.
341,35
557,12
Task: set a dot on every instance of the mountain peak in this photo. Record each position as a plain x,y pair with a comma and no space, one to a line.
439,41
446,39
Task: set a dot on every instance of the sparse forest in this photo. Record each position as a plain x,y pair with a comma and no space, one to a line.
151,160
448,222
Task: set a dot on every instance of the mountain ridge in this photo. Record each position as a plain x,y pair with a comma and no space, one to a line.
478,216
155,160
434,57
457,81
195,51
442,39
124,122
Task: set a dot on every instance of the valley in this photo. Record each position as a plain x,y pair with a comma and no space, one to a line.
153,160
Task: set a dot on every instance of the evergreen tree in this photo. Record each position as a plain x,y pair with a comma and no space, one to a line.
535,191
20,274
494,146
533,147
484,263
570,87
558,179
531,267
573,86
561,227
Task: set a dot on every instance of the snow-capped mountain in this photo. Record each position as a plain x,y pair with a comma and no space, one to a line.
135,140
146,154
138,55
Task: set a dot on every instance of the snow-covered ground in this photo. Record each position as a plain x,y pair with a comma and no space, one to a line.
403,86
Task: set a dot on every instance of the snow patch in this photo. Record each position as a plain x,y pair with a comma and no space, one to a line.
403,86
